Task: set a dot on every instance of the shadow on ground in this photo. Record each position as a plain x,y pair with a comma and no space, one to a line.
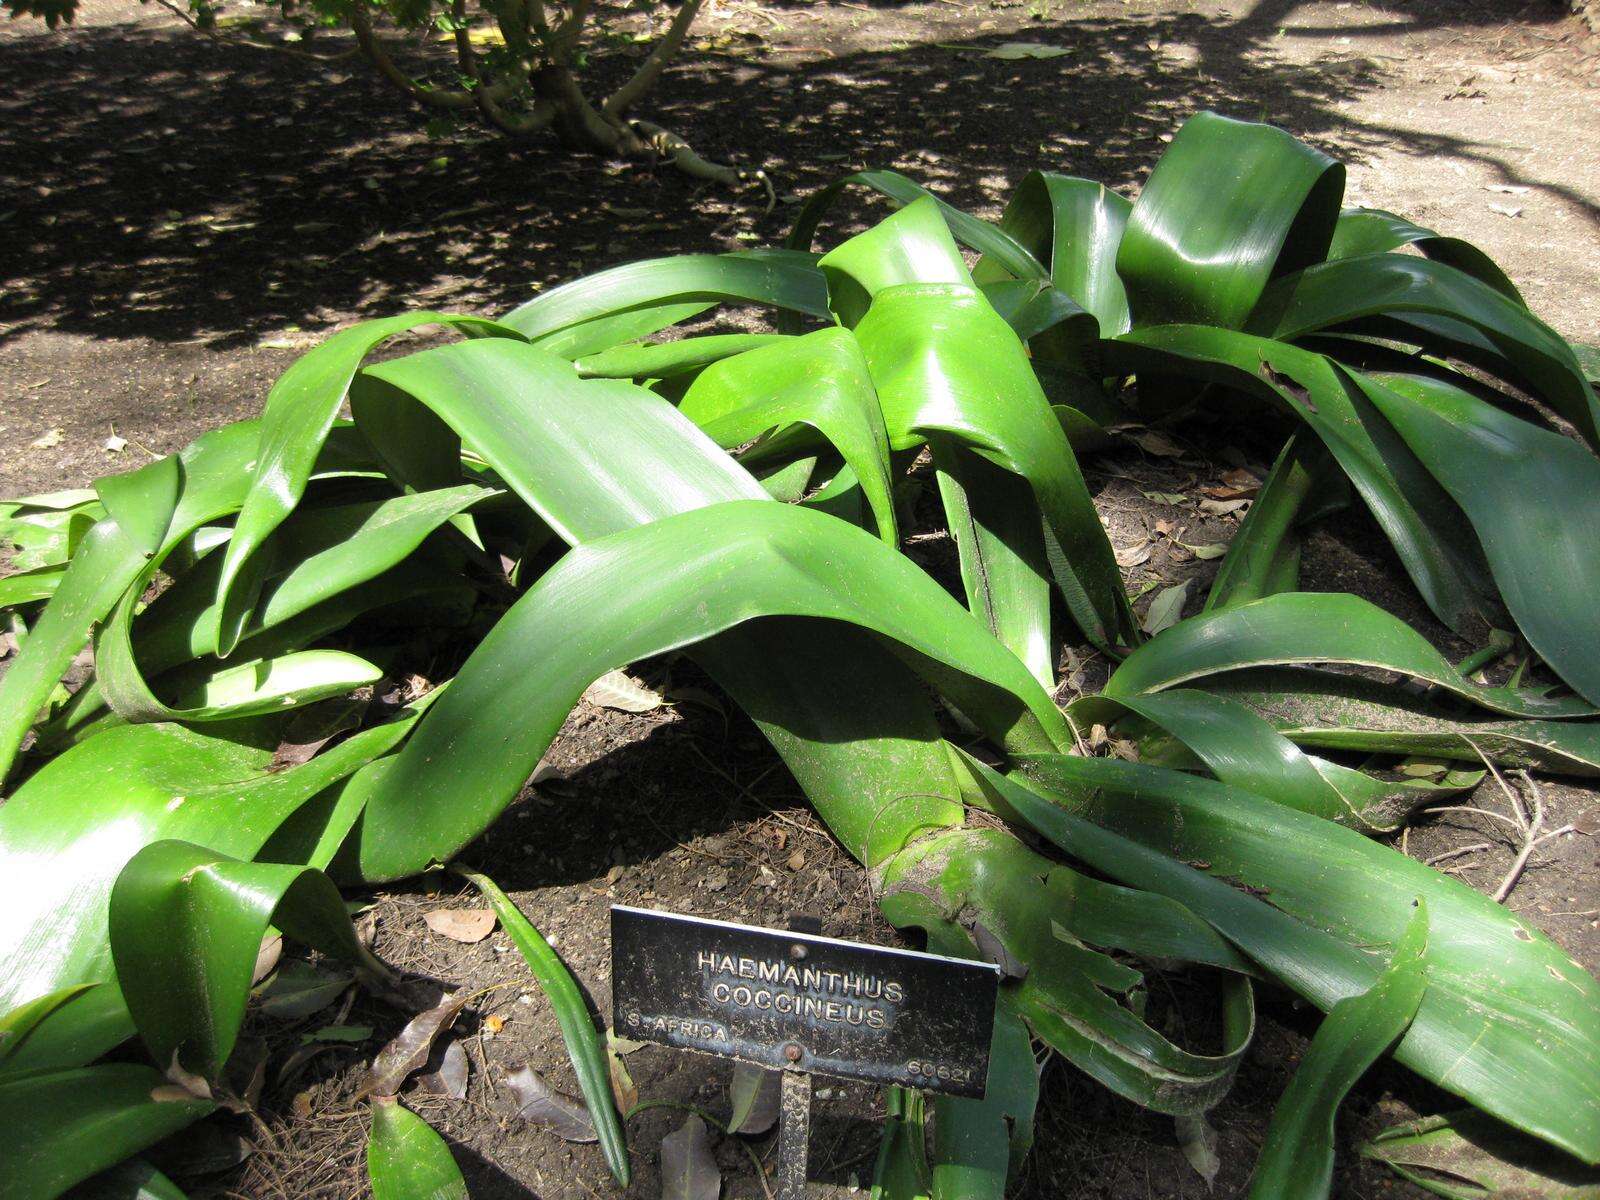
158,184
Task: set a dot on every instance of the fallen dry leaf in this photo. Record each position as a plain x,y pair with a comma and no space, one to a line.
412,1047
1132,556
470,925
450,1080
47,440
539,1104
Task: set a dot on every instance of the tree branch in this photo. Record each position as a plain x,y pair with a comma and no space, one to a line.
650,70
379,57
682,155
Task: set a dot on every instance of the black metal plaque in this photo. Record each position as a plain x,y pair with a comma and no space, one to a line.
803,1002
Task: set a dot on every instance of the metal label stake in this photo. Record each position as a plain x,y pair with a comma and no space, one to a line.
802,1004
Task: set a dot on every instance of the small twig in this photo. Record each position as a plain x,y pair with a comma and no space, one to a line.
1449,854
1530,834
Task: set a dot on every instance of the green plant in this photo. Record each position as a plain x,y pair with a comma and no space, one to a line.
1233,285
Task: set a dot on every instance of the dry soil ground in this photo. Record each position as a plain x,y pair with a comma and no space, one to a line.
178,217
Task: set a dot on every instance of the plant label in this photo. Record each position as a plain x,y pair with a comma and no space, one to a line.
802,1002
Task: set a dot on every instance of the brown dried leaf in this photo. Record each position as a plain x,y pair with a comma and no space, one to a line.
450,1080
540,1104
623,1089
267,957
1153,441
753,1098
412,1047
1133,556
470,925
688,1170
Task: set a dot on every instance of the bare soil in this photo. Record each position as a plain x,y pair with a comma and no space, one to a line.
180,217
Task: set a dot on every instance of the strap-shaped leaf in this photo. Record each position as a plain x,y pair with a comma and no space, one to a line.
1505,474
596,457
820,380
1333,294
987,883
981,236
946,366
1346,712
64,1126
1373,231
664,360
993,519
572,1015
1316,627
150,783
1264,556
186,925
299,414
1509,1021
1230,206
779,281
1429,532
1075,226
1296,1160
912,245
658,587
1242,749
106,565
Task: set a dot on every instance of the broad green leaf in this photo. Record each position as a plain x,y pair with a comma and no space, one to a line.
1372,231
981,236
583,1040
659,587
911,246
134,1179
948,368
663,360
1242,749
1524,489
186,924
1047,917
64,1126
326,551
1464,1155
1332,294
1296,1161
1230,206
977,1143
299,414
1264,556
19,1022
151,782
820,380
783,282
1075,226
1346,712
900,1171
106,565
992,517
143,502
1429,532
407,1159
1509,1021
597,457
1316,627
